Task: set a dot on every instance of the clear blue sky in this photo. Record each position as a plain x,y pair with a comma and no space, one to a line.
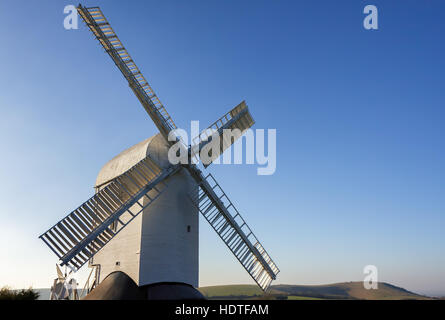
359,116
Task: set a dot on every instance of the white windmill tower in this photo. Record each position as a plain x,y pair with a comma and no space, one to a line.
143,219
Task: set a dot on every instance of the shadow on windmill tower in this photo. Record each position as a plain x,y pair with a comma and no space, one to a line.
140,230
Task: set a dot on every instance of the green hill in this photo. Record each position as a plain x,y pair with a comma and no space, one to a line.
346,290
231,291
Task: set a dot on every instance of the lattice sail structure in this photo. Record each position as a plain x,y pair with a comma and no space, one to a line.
98,24
229,128
228,223
83,232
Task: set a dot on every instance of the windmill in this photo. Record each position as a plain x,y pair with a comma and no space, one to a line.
64,286
143,218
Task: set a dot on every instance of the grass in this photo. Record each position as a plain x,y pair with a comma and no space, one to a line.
231,290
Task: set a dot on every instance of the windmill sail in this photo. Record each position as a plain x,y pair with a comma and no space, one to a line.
98,24
82,233
238,120
225,219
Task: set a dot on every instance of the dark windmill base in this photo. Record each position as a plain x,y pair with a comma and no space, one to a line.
119,286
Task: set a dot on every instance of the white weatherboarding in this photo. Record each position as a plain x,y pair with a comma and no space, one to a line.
143,218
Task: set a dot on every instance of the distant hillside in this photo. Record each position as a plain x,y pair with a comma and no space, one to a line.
346,290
